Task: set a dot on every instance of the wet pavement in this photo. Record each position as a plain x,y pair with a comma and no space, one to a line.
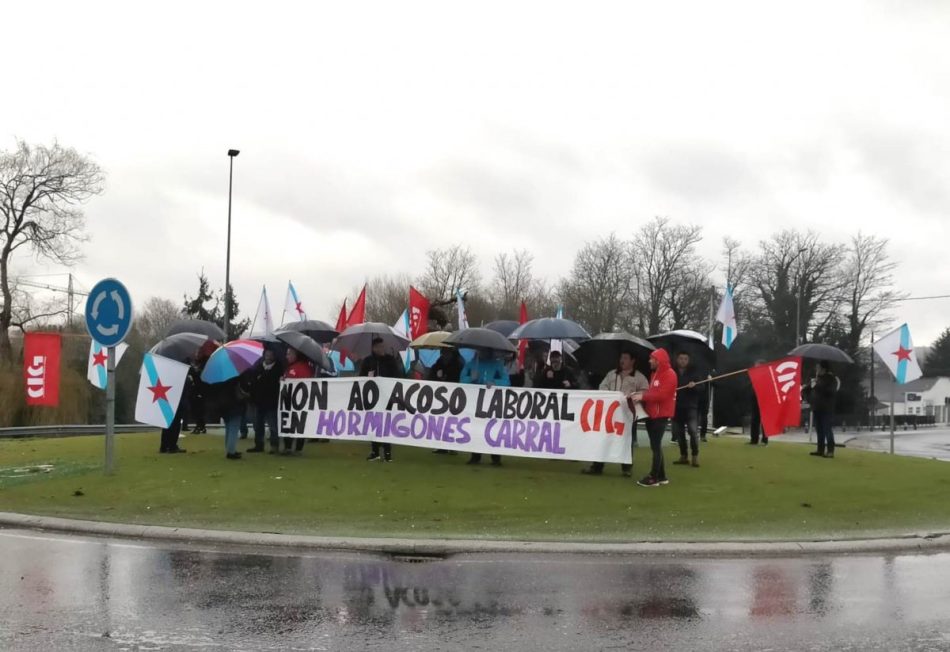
73,593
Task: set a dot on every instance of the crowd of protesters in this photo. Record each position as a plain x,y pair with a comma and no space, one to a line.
673,396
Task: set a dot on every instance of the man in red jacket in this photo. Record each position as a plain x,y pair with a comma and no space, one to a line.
659,401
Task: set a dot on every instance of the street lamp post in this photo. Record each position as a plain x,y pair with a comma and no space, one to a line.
227,266
798,300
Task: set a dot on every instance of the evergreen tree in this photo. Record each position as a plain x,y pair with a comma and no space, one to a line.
237,326
938,359
197,307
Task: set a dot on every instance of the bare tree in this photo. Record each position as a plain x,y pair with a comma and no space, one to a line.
867,286
792,268
688,298
27,309
155,318
387,297
598,293
448,270
514,281
41,193
664,252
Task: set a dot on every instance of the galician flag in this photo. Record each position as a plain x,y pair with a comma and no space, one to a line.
460,305
403,326
896,350
263,324
293,307
96,370
727,317
161,383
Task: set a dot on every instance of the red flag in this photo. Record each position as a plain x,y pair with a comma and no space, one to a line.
41,368
418,313
523,344
358,314
778,391
341,320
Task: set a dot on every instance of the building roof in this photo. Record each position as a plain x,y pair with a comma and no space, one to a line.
884,386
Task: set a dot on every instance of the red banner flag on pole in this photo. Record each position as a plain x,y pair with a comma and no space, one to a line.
41,368
341,319
778,391
523,344
418,313
358,314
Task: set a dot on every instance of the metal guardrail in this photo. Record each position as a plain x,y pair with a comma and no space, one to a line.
71,431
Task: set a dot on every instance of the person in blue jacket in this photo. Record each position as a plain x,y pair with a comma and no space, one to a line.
485,369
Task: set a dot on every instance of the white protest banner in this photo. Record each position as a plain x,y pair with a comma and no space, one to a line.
566,425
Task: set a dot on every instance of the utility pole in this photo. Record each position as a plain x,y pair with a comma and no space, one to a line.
69,301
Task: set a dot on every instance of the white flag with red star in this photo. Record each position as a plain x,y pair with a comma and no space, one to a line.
161,383
97,371
896,350
293,306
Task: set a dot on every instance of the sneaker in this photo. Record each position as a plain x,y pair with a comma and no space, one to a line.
682,461
626,474
695,463
648,481
388,458
233,456
830,456
817,453
496,462
664,481
592,471
373,457
765,443
177,450
256,449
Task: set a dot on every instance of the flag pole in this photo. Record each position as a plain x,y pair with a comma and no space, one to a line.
893,391
712,330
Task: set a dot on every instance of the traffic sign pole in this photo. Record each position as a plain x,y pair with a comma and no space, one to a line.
110,412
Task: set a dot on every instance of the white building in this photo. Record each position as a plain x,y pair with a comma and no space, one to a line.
922,397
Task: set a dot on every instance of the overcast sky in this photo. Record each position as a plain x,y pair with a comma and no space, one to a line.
370,132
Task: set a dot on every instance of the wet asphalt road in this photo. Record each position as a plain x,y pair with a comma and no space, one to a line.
67,593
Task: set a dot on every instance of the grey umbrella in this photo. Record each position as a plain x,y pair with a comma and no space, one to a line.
822,352
320,331
696,344
481,338
357,341
504,326
550,328
199,326
602,353
181,346
306,345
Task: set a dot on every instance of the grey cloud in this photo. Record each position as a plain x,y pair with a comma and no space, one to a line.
700,172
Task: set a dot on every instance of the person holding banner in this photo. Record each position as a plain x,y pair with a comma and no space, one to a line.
485,369
380,364
298,366
686,419
626,380
659,401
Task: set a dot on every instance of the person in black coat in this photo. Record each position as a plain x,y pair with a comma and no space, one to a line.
555,375
821,395
169,436
380,364
448,368
686,417
264,388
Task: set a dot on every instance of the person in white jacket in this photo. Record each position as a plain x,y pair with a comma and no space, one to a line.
626,380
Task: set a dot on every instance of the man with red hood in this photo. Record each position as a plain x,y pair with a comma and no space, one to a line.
659,401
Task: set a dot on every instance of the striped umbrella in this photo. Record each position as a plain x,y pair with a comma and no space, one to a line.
232,360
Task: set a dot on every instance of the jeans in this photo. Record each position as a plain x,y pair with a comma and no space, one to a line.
597,467
265,417
387,449
232,430
826,436
656,428
684,424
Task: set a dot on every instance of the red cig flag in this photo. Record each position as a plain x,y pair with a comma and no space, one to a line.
778,391
41,368
418,313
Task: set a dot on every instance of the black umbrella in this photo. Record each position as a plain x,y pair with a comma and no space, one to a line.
320,331
504,326
602,353
199,326
696,344
357,341
822,352
181,346
481,338
307,346
550,328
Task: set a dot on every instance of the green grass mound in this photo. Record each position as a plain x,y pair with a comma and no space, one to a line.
740,492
